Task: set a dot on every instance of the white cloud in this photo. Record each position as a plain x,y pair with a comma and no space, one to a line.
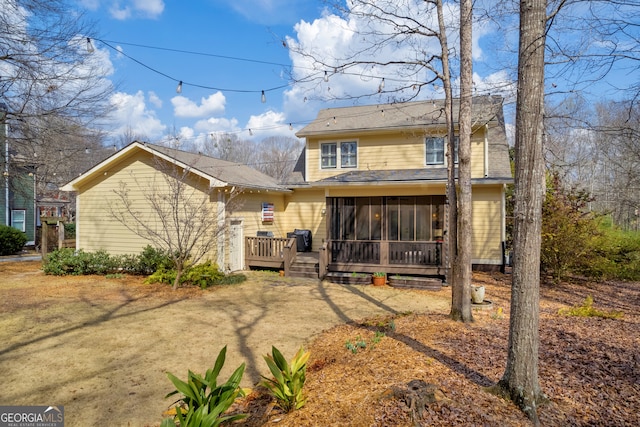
213,124
269,123
184,107
90,4
131,115
337,40
135,9
154,99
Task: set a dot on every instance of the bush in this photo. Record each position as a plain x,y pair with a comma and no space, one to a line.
12,240
70,230
588,310
202,275
68,261
204,401
616,256
568,233
147,262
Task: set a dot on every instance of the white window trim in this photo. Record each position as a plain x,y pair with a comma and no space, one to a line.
24,219
338,144
444,161
322,144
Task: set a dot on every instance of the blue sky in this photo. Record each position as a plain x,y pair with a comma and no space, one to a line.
149,34
252,30
239,44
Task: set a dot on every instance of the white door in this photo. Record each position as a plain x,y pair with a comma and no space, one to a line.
236,248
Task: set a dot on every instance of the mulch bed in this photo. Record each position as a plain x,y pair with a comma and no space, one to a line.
429,370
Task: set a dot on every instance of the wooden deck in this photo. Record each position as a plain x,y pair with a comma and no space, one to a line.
407,258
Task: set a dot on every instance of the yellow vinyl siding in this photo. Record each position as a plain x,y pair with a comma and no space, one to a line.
487,224
249,209
97,201
478,154
304,210
388,152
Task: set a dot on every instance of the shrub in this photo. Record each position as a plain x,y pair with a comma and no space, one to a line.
60,262
288,380
70,230
152,259
162,275
203,400
68,261
616,256
587,310
202,275
568,233
12,240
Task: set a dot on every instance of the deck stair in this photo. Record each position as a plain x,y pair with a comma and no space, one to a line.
305,265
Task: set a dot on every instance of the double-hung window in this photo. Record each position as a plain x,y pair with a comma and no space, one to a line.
348,154
435,150
329,155
18,219
346,157
436,147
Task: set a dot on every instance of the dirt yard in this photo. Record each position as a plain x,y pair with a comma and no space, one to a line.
102,347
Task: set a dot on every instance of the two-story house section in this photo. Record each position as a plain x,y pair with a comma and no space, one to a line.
379,175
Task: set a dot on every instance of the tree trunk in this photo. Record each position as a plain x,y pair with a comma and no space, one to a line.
461,286
452,220
520,379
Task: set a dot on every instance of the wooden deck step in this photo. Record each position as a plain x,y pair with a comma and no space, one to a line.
305,265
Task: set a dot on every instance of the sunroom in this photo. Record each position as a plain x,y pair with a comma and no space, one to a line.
394,234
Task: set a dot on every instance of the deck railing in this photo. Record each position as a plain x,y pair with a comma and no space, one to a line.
270,252
386,253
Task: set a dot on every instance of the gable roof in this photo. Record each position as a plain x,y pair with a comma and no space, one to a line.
416,115
219,173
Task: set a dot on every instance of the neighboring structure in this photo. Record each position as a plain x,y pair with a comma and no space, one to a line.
17,200
369,188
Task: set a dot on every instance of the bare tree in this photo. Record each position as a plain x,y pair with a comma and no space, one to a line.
277,156
45,65
617,140
520,380
54,88
179,214
228,146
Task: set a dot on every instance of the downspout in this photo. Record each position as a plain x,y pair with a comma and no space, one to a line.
5,134
220,246
486,151
78,223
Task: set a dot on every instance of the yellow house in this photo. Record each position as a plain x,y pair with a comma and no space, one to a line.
368,194
378,174
211,190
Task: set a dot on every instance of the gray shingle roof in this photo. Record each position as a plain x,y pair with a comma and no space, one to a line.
230,172
407,115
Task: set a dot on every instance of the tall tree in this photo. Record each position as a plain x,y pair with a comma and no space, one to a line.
54,88
461,287
520,380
